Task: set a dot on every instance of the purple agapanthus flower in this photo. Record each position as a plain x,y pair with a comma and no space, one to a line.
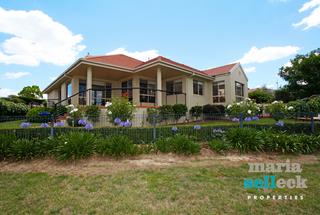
44,125
174,129
197,127
25,125
235,119
127,123
280,123
117,120
121,124
58,124
88,126
255,118
247,119
82,122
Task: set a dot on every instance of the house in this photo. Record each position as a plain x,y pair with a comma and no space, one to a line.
156,82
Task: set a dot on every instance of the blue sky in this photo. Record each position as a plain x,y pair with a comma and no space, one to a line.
39,39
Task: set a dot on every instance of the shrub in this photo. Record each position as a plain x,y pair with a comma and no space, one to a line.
120,108
75,114
244,139
6,141
24,149
34,114
92,112
179,110
213,109
196,111
8,108
294,143
277,110
166,112
47,146
246,108
153,115
219,145
116,146
60,110
179,144
75,145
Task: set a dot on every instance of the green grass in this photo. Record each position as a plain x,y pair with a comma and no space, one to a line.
265,121
177,190
16,124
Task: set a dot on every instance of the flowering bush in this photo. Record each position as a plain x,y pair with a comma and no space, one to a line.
74,115
120,108
278,109
246,108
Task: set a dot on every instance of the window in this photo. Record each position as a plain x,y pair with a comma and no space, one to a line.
147,91
127,89
239,91
82,92
218,92
174,87
197,87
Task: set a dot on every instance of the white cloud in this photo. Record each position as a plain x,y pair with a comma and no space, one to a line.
35,38
313,19
248,70
270,86
140,55
270,53
15,75
4,92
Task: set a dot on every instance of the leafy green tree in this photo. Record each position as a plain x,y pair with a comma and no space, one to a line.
31,92
261,96
303,76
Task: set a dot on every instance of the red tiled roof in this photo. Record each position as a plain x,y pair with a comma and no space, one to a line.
167,60
117,60
219,70
132,63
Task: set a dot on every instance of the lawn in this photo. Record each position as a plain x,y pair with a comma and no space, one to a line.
265,121
206,189
15,124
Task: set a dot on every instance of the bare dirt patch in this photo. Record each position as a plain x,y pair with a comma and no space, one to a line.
105,166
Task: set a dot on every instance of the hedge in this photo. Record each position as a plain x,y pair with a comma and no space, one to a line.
145,135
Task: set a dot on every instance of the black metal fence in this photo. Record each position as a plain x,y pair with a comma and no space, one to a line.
146,128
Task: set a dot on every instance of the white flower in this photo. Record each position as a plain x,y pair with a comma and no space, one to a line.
238,103
275,102
299,61
229,106
110,112
74,110
108,104
290,108
249,111
316,54
70,106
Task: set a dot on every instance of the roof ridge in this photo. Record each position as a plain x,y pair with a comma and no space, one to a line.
221,66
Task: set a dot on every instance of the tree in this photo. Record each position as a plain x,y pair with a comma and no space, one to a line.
284,94
31,92
261,95
303,75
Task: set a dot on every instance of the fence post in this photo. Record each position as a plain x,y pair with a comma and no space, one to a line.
312,122
154,130
241,121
